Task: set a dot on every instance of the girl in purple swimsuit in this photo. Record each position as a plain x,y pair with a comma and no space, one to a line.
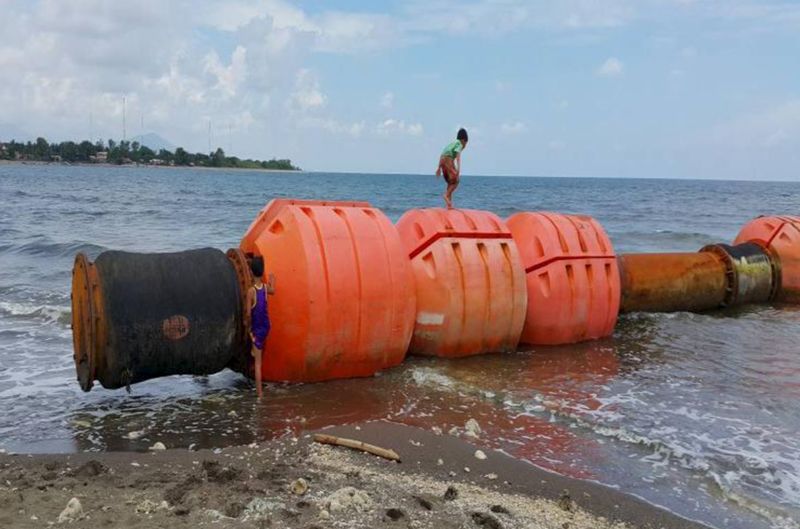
259,314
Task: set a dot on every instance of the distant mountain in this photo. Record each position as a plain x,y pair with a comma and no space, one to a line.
9,131
154,142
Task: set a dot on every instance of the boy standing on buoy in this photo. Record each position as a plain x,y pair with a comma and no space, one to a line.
450,165
259,314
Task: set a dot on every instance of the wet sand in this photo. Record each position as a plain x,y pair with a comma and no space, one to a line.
296,483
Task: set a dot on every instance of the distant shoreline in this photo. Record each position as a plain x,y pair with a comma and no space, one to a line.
147,166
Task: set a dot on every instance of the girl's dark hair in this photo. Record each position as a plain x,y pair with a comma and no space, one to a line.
257,266
462,135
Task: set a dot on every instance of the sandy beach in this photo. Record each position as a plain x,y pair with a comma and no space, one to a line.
441,482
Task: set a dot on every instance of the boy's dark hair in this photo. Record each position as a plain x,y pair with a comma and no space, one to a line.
257,266
462,135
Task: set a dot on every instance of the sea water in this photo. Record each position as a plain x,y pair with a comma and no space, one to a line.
699,413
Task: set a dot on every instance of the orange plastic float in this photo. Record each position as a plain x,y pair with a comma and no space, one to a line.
781,237
572,277
470,285
344,303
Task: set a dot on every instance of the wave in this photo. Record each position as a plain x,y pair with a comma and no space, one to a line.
726,479
42,313
726,476
51,249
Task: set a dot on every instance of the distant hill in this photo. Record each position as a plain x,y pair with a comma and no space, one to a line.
9,131
153,141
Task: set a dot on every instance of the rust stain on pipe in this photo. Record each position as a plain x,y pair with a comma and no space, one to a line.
669,282
89,328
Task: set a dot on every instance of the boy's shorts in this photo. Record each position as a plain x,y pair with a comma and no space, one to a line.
448,168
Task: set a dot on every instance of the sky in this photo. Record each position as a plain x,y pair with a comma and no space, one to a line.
611,88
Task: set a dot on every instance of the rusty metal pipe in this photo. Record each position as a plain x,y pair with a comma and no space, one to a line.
669,282
720,275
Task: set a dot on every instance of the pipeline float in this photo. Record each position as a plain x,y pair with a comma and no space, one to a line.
355,293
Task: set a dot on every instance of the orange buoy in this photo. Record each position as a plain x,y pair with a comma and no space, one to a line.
781,237
344,303
572,277
470,286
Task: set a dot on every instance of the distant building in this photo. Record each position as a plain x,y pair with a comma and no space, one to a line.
156,161
100,157
55,158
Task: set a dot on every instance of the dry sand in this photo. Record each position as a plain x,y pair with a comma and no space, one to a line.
296,483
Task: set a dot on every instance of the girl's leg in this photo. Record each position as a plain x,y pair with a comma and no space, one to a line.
257,353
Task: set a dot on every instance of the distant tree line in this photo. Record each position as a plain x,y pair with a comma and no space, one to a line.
127,152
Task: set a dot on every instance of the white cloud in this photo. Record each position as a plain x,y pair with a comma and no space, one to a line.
307,94
415,129
228,77
333,126
387,100
490,17
393,127
612,67
773,127
759,144
354,32
512,128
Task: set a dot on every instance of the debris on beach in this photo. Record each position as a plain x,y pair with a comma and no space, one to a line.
158,446
483,519
260,509
451,493
90,469
565,501
72,512
395,514
479,454
149,506
356,445
299,487
349,499
472,428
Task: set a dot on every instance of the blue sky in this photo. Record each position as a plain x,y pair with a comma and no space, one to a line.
644,88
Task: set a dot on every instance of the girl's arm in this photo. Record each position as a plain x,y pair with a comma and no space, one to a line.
458,164
271,284
251,299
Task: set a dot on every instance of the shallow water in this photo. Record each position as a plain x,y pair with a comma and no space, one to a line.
697,413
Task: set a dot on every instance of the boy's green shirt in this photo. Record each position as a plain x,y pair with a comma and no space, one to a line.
452,150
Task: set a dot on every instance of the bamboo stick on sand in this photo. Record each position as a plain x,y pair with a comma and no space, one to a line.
356,445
